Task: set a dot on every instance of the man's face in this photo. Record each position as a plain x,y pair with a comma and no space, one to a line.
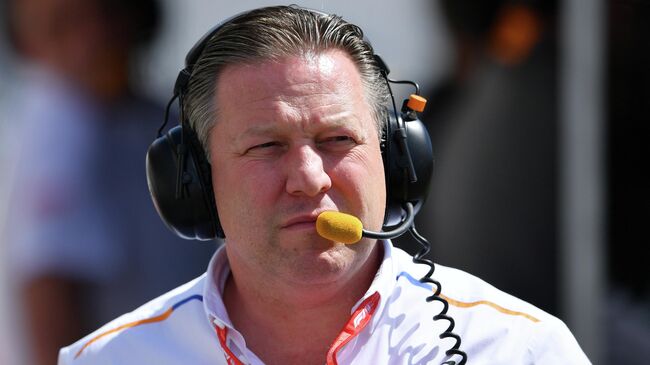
294,138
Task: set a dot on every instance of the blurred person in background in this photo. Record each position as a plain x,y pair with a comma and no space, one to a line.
85,242
493,124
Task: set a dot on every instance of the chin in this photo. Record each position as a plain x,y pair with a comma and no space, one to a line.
334,265
322,265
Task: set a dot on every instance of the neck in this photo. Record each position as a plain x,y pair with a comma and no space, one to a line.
305,320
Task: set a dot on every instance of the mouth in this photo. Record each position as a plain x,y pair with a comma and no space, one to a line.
301,222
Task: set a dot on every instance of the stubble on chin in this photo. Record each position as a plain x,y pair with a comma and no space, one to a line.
320,263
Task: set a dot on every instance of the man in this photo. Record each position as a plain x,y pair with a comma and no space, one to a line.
288,105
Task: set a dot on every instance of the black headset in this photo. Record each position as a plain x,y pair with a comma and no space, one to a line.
179,174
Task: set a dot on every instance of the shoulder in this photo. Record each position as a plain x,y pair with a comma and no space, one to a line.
134,336
495,327
464,290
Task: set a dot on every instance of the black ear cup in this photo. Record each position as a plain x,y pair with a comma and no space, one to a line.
188,209
408,165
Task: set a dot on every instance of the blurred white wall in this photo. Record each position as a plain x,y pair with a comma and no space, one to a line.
409,35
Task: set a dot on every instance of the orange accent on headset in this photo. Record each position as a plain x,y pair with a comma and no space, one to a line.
417,103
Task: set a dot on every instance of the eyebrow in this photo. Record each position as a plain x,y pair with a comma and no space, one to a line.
266,129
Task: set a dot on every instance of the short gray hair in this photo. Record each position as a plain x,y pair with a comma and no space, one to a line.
273,33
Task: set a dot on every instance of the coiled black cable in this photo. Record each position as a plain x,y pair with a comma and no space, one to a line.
418,258
448,333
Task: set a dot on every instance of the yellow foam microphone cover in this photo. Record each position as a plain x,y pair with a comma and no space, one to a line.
339,227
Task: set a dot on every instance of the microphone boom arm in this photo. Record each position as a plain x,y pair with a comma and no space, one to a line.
402,228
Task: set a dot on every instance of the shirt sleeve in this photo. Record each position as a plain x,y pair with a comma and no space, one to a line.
67,357
63,356
555,344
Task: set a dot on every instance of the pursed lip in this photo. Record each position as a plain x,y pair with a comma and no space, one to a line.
303,219
300,220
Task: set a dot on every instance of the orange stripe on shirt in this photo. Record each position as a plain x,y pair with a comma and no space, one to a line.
158,318
499,308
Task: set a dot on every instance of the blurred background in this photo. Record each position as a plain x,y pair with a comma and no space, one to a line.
538,113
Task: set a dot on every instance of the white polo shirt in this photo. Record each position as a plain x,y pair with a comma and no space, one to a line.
391,324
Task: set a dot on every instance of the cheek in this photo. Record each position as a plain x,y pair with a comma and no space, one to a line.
243,192
375,189
369,167
360,176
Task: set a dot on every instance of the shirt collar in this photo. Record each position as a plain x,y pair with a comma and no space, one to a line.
383,283
217,274
219,270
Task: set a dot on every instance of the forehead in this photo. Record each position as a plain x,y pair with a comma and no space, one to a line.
305,95
312,78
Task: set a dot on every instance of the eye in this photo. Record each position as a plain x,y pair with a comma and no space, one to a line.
340,139
266,148
265,145
337,143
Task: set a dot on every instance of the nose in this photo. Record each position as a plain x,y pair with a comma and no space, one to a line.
305,172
